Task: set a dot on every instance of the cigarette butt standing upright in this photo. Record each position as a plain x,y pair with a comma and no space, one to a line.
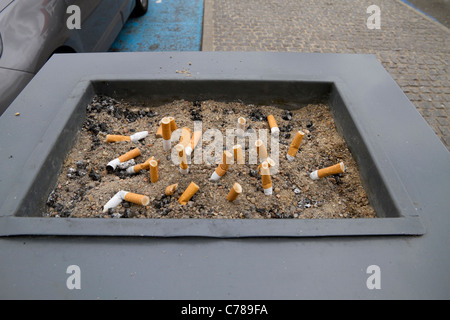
336,169
222,168
185,138
238,155
173,127
235,191
183,159
188,193
273,125
240,127
295,145
266,179
166,133
112,165
261,150
154,176
194,141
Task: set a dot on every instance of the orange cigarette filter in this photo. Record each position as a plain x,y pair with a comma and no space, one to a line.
261,149
166,130
173,124
130,155
295,144
154,176
117,138
195,139
170,190
270,162
137,199
336,169
272,121
265,175
222,168
185,138
188,193
238,155
235,191
173,127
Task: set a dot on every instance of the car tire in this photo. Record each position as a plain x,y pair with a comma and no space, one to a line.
141,8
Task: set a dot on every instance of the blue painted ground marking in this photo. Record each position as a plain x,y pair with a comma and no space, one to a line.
169,25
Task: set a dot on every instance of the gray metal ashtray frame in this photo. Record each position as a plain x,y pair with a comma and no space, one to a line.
403,165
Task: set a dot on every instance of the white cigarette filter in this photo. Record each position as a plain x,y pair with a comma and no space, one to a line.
295,145
113,164
222,168
133,138
273,125
194,142
336,169
235,191
166,133
261,150
126,196
240,129
184,169
266,179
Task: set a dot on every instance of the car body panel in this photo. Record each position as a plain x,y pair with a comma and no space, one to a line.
33,30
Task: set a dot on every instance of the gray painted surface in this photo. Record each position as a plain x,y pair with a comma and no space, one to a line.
238,268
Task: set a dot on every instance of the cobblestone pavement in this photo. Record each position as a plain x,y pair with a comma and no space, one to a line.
413,48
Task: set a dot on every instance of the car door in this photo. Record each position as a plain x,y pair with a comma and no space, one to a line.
101,21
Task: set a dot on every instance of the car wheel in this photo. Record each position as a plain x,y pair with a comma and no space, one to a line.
141,8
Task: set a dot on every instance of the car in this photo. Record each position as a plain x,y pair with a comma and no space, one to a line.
31,31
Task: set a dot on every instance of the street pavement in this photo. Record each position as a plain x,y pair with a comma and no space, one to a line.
413,48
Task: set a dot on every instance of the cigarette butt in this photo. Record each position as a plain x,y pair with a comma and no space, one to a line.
240,126
114,201
166,130
137,168
183,159
116,138
188,193
273,125
137,198
265,178
154,176
222,168
238,155
173,125
235,191
269,161
138,136
261,150
194,141
336,169
185,138
130,155
159,132
295,145
170,190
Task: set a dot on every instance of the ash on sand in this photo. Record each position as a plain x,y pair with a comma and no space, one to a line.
84,185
